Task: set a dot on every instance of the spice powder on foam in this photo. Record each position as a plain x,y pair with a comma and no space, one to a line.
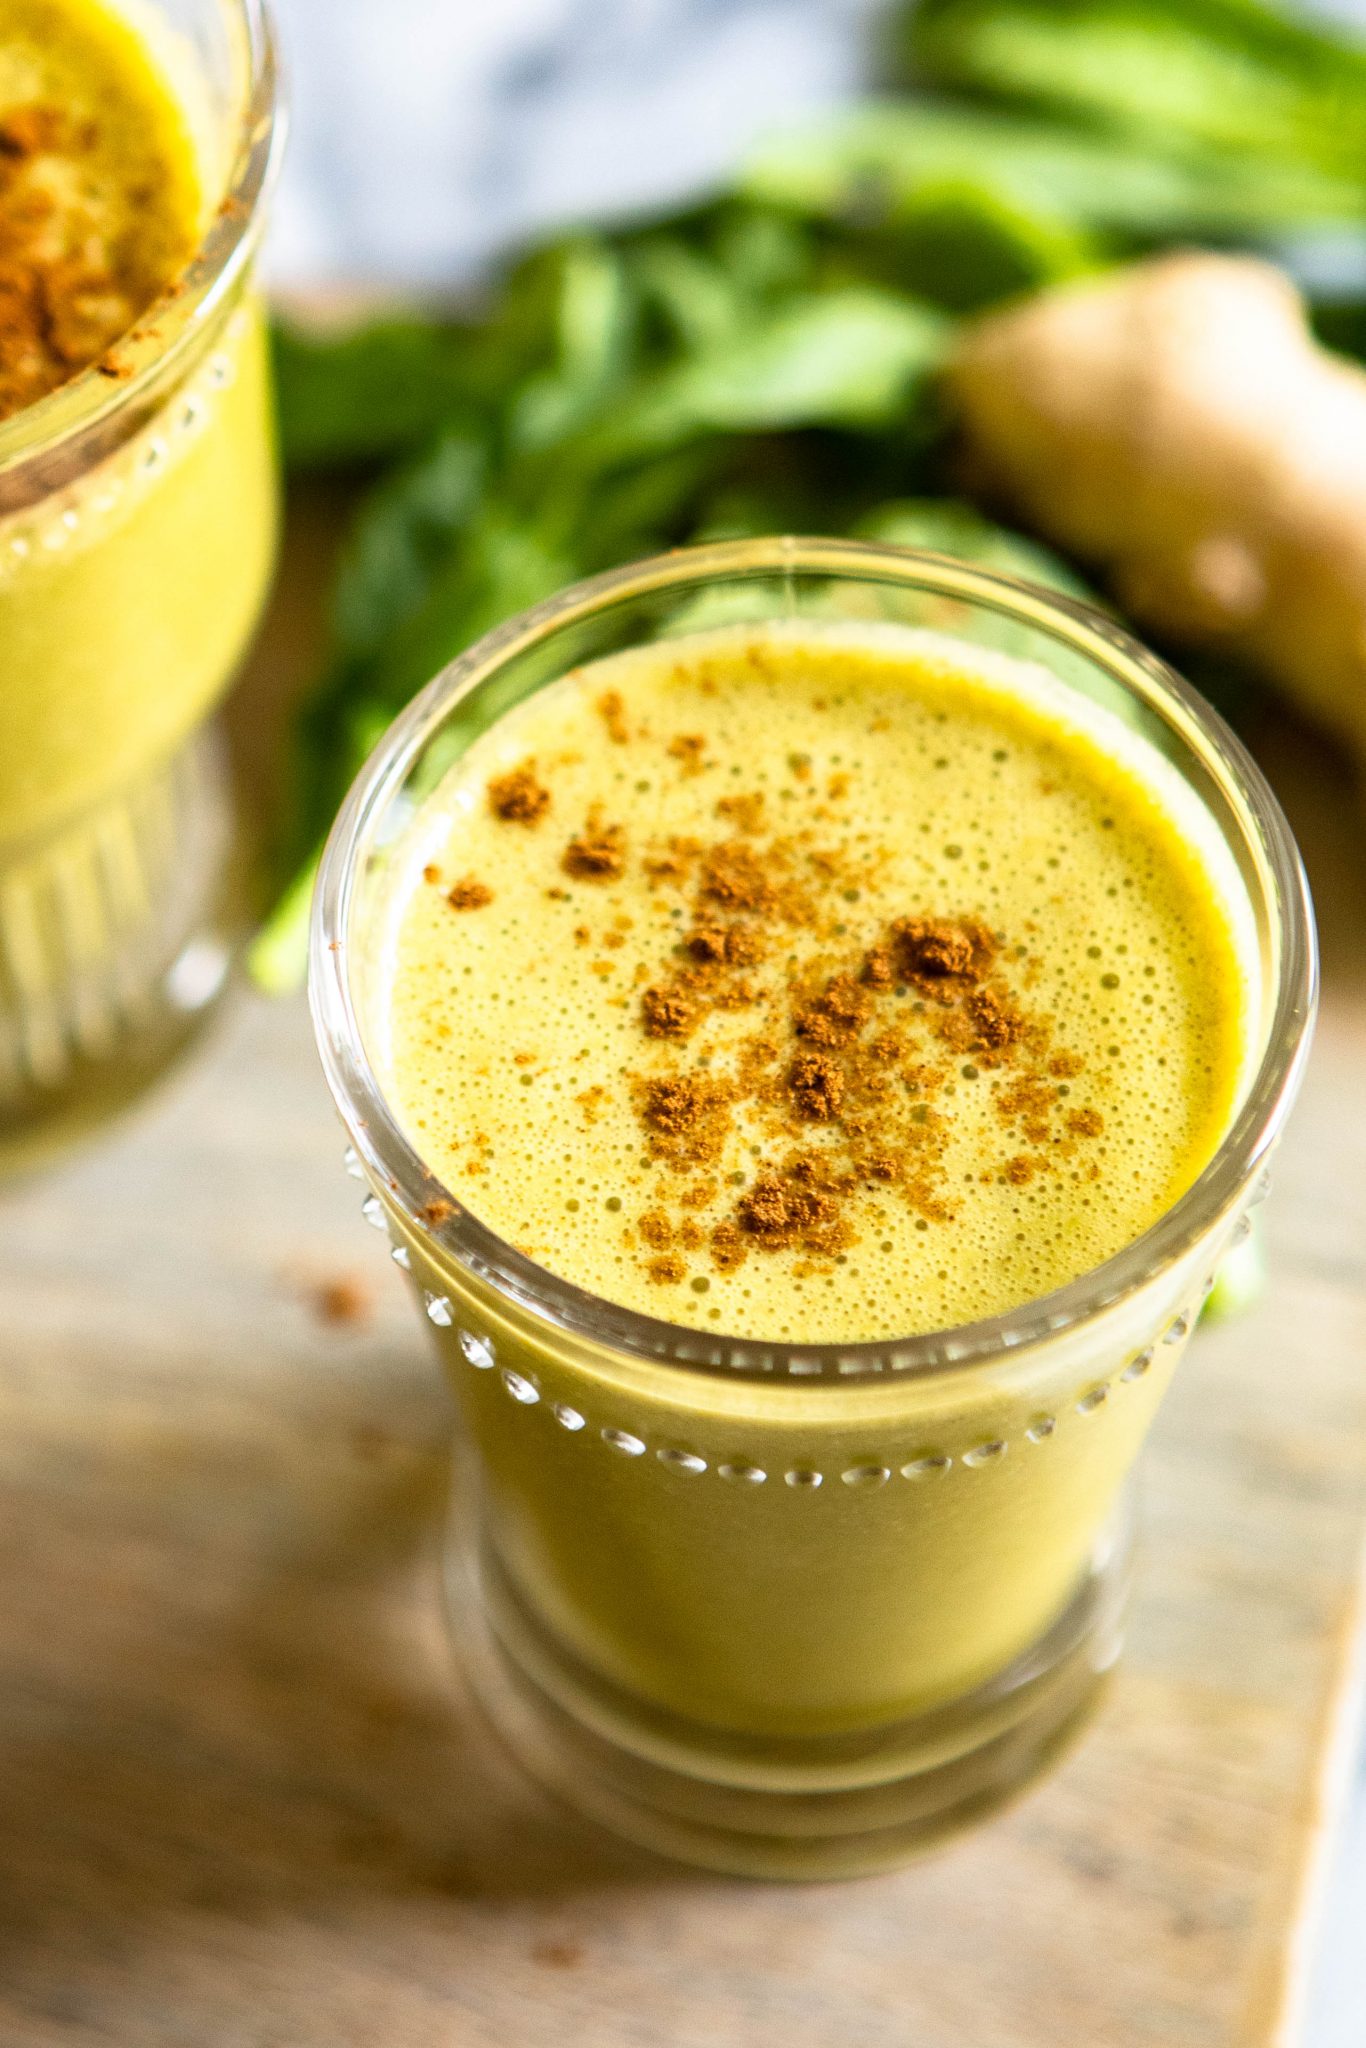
844,1079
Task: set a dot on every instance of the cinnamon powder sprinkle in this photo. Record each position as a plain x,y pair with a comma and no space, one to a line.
342,1301
687,1118
817,1086
854,1067
858,1080
469,894
667,1013
598,854
739,945
734,876
687,748
782,1214
838,1015
518,797
941,957
70,283
612,712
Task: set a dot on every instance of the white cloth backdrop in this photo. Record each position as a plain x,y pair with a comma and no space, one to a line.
428,134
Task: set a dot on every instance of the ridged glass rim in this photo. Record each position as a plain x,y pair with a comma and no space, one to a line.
566,1308
172,324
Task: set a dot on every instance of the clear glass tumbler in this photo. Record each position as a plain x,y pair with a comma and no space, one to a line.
138,517
793,1610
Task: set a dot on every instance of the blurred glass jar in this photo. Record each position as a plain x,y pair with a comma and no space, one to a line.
138,522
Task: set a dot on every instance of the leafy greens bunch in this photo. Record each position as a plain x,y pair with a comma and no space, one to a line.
767,362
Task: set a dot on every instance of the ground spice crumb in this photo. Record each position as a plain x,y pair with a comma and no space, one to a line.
469,894
558,1955
879,968
598,854
1028,1101
68,288
431,873
687,748
518,797
817,1086
435,1213
687,1116
1085,1123
838,1015
734,876
728,1248
744,812
612,712
997,1023
940,955
1020,1170
667,1013
667,1270
656,1229
738,945
780,1215
342,1301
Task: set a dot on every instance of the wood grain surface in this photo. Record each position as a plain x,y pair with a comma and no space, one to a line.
243,1805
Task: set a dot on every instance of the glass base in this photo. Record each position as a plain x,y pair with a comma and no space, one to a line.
117,935
796,1809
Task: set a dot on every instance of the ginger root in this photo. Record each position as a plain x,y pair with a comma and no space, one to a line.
1176,425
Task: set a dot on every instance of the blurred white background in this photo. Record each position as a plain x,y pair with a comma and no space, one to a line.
428,134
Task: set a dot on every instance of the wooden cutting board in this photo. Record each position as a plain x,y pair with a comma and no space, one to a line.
242,1804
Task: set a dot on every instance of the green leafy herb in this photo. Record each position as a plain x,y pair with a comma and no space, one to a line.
766,362
1235,74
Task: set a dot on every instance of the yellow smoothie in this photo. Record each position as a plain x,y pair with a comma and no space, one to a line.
135,549
912,950
810,986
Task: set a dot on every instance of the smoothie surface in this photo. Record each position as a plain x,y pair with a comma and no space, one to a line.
100,197
815,984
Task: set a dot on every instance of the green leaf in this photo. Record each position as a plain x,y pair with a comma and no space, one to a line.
1230,73
371,393
404,532
501,565
951,528
887,163
854,358
593,325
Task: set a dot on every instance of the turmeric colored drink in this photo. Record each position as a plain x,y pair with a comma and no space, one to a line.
821,987
834,1013
137,519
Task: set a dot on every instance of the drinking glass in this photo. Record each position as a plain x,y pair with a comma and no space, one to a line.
793,1609
138,517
